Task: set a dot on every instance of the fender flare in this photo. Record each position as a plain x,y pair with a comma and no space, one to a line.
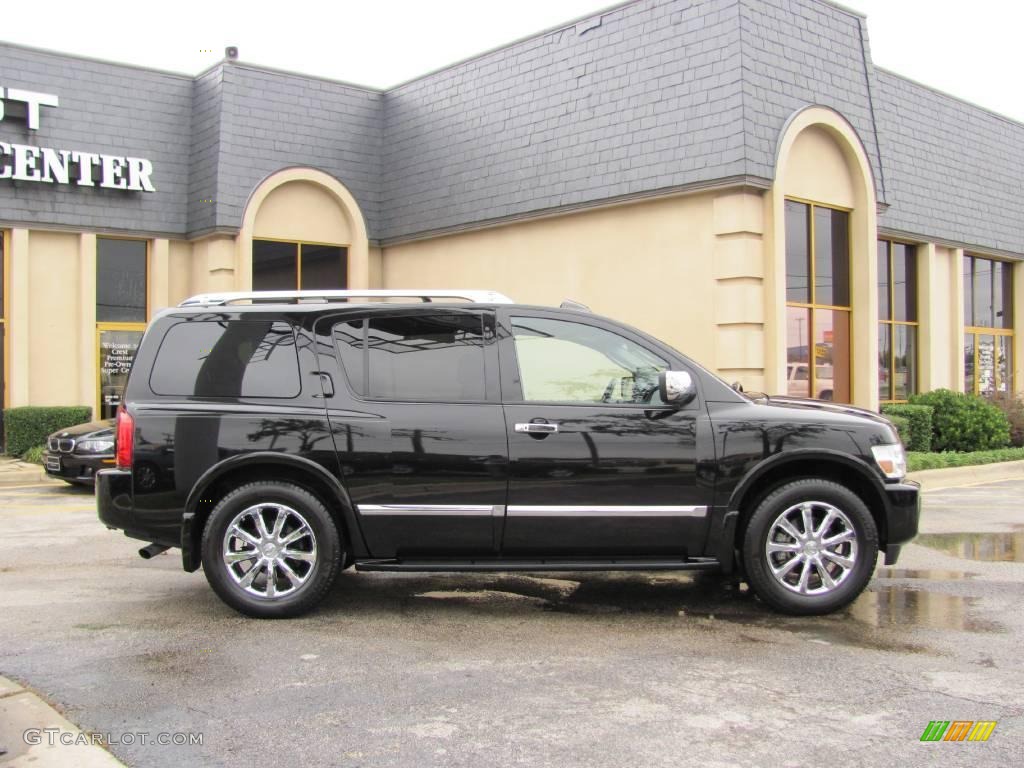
800,455
341,502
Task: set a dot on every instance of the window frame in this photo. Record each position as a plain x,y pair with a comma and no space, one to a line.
812,306
488,353
298,259
116,325
976,331
511,381
891,323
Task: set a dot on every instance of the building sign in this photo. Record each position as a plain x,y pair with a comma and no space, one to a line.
116,356
25,162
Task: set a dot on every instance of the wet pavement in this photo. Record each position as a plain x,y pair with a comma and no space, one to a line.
492,669
1006,546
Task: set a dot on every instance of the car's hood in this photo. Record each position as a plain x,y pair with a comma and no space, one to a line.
89,430
806,403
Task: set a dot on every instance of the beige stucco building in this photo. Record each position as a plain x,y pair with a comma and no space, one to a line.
790,238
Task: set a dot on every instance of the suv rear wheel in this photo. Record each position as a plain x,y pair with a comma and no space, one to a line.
810,547
271,550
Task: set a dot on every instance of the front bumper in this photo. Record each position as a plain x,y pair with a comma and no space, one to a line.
903,514
74,467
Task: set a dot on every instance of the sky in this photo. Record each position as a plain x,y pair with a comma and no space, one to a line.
968,49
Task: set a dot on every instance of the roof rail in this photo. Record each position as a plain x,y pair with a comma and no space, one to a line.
294,297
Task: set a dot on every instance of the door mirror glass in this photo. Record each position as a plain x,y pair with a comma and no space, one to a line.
677,387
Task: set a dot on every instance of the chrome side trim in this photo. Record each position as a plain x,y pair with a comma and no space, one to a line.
524,510
606,511
427,510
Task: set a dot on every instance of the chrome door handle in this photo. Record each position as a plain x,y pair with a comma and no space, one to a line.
534,428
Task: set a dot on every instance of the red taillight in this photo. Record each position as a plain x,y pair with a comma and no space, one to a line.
125,438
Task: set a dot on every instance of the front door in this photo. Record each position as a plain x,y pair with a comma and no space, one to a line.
417,423
116,345
598,464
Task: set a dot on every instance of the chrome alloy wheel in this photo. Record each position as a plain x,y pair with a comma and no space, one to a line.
269,550
811,548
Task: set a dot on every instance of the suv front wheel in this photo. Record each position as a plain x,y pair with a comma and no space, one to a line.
271,550
810,547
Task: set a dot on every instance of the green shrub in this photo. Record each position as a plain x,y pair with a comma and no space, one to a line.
902,424
962,422
29,426
34,455
919,437
1013,407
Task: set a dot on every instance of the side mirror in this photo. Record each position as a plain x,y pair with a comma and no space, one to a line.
676,387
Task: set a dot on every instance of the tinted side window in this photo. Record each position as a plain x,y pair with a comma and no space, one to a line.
415,357
248,358
561,361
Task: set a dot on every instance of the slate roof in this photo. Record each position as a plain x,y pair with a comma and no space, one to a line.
641,99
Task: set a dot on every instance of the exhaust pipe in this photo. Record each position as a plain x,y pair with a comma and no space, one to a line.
152,550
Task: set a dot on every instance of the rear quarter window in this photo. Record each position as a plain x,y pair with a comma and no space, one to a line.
242,358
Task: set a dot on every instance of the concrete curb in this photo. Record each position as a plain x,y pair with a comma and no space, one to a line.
17,472
955,477
21,713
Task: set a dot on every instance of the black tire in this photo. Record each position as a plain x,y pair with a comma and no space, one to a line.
821,496
324,542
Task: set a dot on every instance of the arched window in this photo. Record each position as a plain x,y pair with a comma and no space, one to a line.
289,265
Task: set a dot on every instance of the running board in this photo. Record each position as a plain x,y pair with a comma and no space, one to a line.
555,564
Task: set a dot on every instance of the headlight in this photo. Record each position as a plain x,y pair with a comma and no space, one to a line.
96,446
891,460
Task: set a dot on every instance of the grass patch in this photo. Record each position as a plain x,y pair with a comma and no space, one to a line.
34,455
917,461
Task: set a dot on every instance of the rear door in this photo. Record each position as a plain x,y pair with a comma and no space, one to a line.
598,464
417,422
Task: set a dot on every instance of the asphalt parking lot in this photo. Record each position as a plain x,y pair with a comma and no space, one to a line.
574,669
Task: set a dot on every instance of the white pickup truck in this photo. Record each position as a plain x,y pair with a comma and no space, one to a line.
798,381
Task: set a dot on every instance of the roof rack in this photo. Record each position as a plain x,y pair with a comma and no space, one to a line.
289,297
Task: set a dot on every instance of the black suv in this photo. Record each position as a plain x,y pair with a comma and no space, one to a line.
293,434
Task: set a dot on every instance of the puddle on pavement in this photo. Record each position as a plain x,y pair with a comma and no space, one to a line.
897,607
879,619
1004,547
926,574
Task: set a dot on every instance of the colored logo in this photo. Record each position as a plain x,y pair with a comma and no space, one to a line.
958,730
